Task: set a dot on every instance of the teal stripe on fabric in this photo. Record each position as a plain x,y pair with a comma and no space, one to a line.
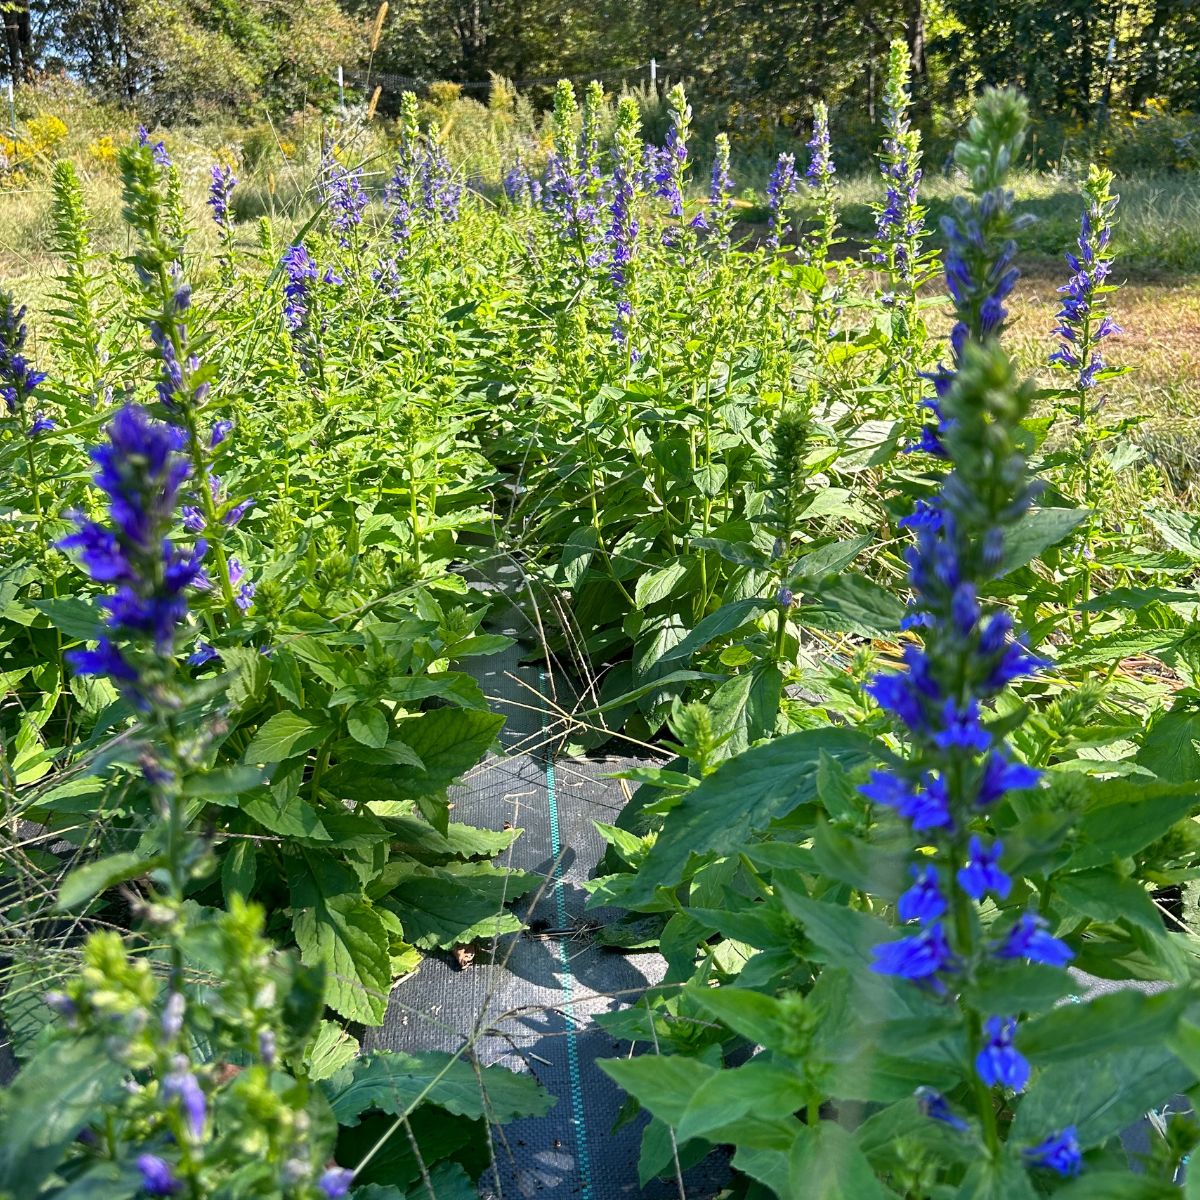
578,1123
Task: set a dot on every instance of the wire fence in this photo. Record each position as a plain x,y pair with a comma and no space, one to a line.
391,82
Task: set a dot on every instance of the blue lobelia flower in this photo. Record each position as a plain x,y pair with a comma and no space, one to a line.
920,957
1060,1152
780,189
183,1086
18,378
141,471
342,191
220,191
933,1104
982,873
719,221
157,1177
623,227
1082,322
335,1182
923,901
1029,939
999,1062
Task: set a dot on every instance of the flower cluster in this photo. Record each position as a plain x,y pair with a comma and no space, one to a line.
899,222
342,191
670,163
300,271
441,193
719,218
1082,322
520,186
780,189
140,470
18,378
980,246
960,766
220,191
623,224
820,163
820,175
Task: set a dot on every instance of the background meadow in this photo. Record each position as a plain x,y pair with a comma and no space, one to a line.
839,478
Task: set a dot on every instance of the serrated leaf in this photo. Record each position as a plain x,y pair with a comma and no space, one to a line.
394,1082
87,882
287,735
368,726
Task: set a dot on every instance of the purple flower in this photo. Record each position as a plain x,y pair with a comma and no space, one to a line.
780,189
245,592
923,901
1029,940
1060,1152
140,471
1000,776
203,653
919,957
962,728
999,1063
219,191
820,164
220,431
982,873
18,379
933,1105
341,190
41,424
183,1086
335,1182
238,511
301,271
157,1177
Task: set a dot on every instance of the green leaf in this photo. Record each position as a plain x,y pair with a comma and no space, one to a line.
721,1105
577,555
826,1164
742,796
330,1050
724,621
1179,530
1100,1095
286,735
337,928
368,726
443,910
1018,987
56,1093
396,1082
844,936
1124,816
659,584
1034,535
239,868
76,618
223,782
88,881
1105,895
448,741
661,1083
828,560
289,817
1169,749
1127,1018
853,604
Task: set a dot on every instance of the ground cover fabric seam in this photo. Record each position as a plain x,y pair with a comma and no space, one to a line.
578,1123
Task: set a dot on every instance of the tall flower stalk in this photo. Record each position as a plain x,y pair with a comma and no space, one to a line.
567,193
819,177
19,380
718,220
980,245
183,384
220,198
1084,324
958,766
623,223
900,230
670,172
780,189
